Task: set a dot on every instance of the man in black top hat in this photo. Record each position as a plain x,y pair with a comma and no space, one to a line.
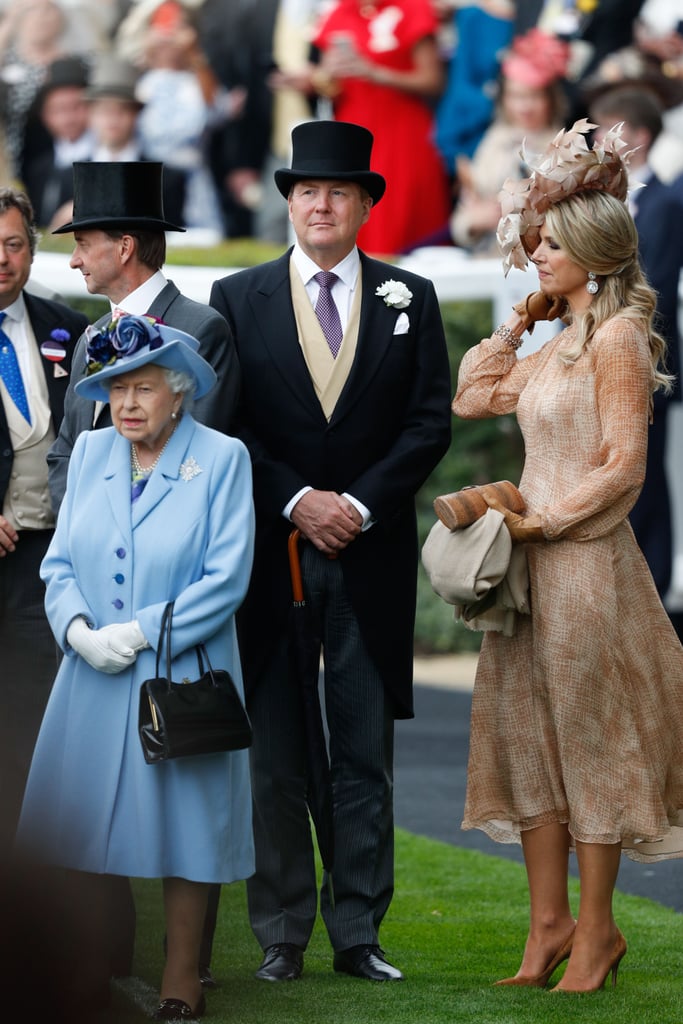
114,108
57,135
120,246
345,408
119,230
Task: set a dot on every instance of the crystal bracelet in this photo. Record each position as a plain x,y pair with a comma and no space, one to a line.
508,336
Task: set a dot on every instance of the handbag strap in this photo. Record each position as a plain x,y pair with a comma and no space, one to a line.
203,653
165,634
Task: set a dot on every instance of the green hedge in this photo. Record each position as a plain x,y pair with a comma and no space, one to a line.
480,451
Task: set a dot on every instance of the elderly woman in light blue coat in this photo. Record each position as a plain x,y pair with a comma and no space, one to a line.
157,508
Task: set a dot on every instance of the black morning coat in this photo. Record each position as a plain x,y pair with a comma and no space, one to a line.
390,428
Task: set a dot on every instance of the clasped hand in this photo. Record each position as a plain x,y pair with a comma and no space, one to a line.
328,520
522,529
109,649
8,537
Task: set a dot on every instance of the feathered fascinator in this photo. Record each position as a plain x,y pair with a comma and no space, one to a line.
567,166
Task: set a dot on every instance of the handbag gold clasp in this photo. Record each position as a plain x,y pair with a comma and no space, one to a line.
155,720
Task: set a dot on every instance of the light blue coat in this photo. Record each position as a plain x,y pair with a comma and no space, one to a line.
92,802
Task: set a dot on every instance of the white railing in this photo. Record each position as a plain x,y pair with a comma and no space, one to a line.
456,277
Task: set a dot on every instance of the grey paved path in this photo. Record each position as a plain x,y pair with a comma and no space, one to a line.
431,762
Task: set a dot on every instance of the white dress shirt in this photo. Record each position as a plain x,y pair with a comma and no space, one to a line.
342,292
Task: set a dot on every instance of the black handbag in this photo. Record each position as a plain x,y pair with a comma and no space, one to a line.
205,716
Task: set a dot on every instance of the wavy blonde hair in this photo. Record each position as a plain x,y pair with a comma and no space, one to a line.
597,232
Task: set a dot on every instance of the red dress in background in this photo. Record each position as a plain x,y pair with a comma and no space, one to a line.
417,199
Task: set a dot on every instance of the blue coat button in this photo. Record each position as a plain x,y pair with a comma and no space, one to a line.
119,578
118,603
120,552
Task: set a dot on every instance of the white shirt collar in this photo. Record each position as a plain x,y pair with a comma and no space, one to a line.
16,310
18,329
347,269
129,152
67,152
139,301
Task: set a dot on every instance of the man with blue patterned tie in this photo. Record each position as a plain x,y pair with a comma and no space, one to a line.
37,337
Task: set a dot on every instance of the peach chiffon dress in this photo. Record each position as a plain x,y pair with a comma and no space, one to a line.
578,718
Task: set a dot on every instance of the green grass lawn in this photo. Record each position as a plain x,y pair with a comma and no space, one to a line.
457,922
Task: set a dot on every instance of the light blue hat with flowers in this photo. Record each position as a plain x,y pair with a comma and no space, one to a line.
133,341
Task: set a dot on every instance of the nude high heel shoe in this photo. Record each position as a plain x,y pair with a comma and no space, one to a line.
618,954
542,979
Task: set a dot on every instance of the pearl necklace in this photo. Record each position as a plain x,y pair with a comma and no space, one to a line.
135,462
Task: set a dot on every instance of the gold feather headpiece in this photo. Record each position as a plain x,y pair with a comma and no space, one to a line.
567,166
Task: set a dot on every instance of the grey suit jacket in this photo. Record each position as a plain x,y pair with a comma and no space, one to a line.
215,410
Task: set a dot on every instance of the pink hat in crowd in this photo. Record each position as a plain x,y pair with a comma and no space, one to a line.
536,59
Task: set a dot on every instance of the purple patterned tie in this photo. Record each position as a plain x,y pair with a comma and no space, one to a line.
327,312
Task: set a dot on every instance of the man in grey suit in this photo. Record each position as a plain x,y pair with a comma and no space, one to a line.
120,247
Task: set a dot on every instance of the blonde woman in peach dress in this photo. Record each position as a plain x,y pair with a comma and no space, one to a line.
577,719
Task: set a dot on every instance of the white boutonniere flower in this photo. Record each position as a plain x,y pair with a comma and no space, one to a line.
395,294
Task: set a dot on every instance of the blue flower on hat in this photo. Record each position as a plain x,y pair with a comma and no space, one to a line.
121,337
132,333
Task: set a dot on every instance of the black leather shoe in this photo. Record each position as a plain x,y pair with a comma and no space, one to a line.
206,977
281,962
176,1009
367,962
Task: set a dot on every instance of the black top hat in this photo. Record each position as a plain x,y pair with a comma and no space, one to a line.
62,73
331,150
126,193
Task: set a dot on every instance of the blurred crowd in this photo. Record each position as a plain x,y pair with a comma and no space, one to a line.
451,90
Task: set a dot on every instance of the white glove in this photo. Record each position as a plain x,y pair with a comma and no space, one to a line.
95,649
124,637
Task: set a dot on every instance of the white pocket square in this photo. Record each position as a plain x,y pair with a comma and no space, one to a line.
402,325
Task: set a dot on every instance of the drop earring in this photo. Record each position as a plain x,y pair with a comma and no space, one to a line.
591,284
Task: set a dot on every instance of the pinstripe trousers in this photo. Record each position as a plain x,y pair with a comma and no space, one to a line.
282,894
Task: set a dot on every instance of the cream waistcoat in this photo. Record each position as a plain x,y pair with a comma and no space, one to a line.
27,499
327,373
